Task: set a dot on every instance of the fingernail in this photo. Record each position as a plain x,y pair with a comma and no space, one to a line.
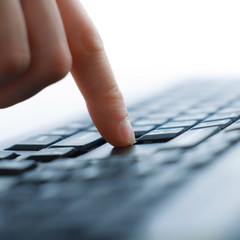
126,131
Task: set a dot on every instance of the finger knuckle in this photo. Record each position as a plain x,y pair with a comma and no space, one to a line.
15,64
60,64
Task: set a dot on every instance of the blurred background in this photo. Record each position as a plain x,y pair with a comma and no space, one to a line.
150,43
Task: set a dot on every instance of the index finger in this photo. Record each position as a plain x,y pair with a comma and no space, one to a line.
93,75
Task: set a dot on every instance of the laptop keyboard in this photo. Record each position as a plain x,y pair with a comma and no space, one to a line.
71,173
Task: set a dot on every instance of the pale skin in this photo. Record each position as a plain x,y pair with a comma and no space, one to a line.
41,41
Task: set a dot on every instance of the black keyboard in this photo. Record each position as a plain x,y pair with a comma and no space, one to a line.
68,183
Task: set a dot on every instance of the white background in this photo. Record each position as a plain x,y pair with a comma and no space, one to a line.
149,43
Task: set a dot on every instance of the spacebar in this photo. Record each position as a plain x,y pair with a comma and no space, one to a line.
192,138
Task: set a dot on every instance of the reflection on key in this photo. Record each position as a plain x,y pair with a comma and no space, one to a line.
36,142
82,141
50,154
193,137
140,130
220,123
160,135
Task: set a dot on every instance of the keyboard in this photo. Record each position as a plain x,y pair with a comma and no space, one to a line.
68,183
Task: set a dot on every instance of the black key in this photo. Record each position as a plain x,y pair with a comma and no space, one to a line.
141,130
36,143
49,154
219,123
179,124
83,141
8,155
160,135
63,131
103,151
191,138
8,167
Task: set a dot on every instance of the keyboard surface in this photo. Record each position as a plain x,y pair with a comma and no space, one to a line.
68,183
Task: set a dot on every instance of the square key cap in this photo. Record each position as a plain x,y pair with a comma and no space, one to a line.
49,154
160,135
36,143
81,141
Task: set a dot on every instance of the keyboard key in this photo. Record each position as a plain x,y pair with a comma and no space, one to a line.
179,124
36,143
192,138
160,135
8,155
219,123
141,130
8,167
49,154
83,141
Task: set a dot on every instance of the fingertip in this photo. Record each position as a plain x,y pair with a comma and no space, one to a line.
126,133
112,121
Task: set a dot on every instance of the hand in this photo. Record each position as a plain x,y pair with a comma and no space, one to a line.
41,41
